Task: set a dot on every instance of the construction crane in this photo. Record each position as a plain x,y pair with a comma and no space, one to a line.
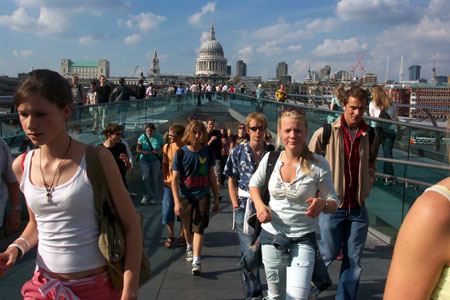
135,71
358,63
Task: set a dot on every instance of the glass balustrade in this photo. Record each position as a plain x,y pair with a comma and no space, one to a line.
389,201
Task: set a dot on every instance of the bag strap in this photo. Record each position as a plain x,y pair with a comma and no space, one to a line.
22,161
271,161
100,187
148,141
326,135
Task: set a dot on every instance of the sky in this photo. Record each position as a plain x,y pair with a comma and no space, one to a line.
303,33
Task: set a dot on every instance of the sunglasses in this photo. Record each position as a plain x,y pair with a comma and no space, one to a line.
261,128
242,127
172,135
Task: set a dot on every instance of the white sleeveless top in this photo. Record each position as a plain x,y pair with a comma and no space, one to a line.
67,225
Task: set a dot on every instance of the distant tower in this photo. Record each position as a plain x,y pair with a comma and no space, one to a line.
154,70
433,79
308,75
387,70
241,68
414,73
401,69
282,70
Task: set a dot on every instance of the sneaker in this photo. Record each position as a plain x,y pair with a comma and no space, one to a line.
340,256
152,201
189,254
196,268
144,200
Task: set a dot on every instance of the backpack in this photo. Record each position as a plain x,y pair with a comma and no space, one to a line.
253,220
327,134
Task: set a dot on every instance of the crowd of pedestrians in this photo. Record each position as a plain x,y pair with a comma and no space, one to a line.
280,193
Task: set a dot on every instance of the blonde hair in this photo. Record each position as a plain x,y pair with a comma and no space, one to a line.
339,93
380,98
258,117
189,132
306,154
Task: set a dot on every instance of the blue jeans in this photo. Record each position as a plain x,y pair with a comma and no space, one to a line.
388,145
168,213
346,229
150,176
292,281
249,259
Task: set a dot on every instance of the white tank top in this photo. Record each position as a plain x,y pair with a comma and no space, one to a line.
67,225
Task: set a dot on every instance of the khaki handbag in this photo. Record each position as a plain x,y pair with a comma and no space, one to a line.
112,234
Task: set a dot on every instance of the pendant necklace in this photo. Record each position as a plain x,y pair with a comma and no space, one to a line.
50,188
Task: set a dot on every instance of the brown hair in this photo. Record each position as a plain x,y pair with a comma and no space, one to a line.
258,117
150,125
47,84
177,128
380,98
306,154
189,132
112,128
358,93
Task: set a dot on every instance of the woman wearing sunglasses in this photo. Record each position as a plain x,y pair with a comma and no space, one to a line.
290,219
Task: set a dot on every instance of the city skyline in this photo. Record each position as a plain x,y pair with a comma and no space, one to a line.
261,33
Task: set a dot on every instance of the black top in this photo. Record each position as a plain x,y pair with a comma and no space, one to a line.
103,93
140,91
216,145
116,150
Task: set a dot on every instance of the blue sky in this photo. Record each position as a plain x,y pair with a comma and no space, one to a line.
39,33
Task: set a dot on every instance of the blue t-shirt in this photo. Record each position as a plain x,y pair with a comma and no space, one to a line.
194,172
157,143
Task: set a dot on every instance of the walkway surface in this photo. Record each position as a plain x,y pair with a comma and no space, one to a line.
221,278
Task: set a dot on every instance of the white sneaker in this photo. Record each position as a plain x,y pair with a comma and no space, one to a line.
144,200
196,268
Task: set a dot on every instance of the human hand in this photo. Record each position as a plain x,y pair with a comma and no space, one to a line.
129,295
7,260
264,214
154,152
145,153
13,220
178,209
216,205
213,138
316,207
123,157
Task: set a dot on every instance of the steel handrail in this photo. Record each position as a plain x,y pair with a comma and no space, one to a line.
414,164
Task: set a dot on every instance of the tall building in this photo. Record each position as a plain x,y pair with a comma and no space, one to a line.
229,70
414,73
241,68
84,69
154,70
211,60
282,70
325,73
433,79
343,75
369,78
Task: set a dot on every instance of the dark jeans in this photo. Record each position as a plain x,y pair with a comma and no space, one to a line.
346,229
388,145
249,259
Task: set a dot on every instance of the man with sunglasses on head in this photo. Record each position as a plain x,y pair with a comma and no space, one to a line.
242,162
350,146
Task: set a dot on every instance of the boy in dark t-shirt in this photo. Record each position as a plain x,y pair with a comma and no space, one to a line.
193,176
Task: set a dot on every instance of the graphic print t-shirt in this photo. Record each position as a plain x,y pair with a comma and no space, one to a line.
194,172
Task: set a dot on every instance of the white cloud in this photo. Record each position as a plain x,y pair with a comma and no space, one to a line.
245,54
132,39
378,11
196,18
23,53
270,48
439,9
87,40
143,22
295,47
331,47
323,25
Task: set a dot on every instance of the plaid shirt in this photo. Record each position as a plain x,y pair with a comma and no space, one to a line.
351,164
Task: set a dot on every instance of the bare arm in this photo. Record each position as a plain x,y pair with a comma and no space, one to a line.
130,221
9,257
421,249
233,191
214,187
178,208
262,211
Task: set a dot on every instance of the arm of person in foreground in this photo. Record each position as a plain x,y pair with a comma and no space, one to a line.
9,257
263,212
130,221
213,183
422,249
